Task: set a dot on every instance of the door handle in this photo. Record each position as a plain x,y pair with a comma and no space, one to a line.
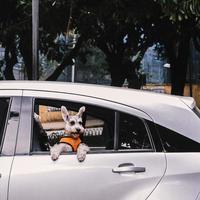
128,167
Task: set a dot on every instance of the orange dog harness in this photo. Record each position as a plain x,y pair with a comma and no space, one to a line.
73,142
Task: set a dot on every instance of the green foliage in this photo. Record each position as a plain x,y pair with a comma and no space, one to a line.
178,10
93,59
102,25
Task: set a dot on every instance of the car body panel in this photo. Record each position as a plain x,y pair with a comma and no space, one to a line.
93,179
198,197
9,141
5,168
40,171
35,176
182,178
87,99
10,92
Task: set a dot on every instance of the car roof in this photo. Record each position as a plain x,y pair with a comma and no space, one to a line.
171,111
123,95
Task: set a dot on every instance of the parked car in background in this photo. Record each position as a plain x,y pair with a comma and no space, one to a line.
143,145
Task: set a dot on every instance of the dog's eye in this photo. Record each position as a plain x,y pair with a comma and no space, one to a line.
72,123
80,123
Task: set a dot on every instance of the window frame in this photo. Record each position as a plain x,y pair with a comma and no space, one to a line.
76,106
10,132
163,131
26,150
5,123
153,148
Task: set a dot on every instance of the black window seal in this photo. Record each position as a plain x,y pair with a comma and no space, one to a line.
149,135
116,130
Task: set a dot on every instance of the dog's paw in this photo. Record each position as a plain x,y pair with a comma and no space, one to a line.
81,156
37,117
54,156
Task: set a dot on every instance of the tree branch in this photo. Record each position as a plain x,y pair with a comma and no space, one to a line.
67,60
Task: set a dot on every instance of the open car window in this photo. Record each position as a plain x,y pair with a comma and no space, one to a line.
98,123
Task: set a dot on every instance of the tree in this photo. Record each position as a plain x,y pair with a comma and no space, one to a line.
181,26
15,22
120,28
106,24
103,24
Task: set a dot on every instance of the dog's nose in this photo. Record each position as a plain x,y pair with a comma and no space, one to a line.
78,130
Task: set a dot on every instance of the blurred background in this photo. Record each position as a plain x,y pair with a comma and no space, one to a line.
143,44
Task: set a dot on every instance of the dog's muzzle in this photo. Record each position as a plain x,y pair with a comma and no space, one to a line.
74,134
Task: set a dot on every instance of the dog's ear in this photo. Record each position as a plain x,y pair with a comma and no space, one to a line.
65,114
81,111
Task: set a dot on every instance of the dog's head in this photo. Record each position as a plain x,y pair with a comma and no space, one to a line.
74,123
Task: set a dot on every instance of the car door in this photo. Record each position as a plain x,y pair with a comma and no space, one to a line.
116,172
9,119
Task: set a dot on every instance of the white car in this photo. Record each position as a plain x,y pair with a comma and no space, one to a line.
143,145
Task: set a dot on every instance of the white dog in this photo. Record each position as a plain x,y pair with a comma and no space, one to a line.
70,141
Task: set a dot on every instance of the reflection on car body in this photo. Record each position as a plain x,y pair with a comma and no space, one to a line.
142,145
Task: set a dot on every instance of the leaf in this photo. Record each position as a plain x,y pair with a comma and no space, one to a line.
180,18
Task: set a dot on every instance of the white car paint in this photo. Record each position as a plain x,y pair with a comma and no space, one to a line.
168,175
6,161
41,178
5,168
182,178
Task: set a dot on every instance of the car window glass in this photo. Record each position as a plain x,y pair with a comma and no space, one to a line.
133,133
175,142
97,121
4,103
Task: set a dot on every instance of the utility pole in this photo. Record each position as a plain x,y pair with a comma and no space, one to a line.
35,39
73,71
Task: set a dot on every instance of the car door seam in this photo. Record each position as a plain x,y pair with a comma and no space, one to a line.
160,178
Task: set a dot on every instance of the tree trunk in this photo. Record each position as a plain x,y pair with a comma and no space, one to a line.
179,67
117,71
10,57
67,60
190,78
133,76
25,47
